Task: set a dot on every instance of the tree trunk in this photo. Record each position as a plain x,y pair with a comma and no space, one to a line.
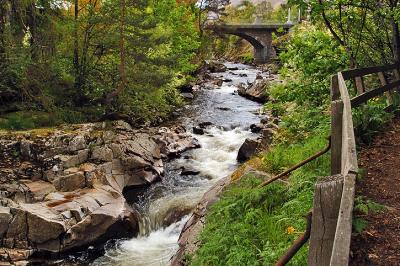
2,30
16,20
396,40
32,23
76,45
121,86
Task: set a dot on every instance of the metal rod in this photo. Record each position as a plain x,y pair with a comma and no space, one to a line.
315,156
297,244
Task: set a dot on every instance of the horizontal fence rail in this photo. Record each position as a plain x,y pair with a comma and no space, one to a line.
334,196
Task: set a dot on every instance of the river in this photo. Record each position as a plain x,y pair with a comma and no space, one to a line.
230,116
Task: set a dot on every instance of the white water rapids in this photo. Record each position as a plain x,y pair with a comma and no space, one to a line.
231,116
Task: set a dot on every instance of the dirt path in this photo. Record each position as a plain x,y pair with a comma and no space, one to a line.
379,243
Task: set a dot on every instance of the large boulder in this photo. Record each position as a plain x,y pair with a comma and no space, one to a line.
255,91
63,189
174,141
68,220
248,149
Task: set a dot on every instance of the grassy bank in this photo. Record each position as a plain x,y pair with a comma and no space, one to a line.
251,226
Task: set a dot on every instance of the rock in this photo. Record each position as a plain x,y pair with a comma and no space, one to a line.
242,75
189,171
122,125
267,136
224,108
198,130
259,76
47,224
113,220
40,189
255,92
173,142
256,128
25,147
68,161
227,80
217,82
175,215
187,95
18,257
248,149
77,143
5,218
70,182
66,191
188,87
233,68
264,120
103,154
205,124
216,67
272,126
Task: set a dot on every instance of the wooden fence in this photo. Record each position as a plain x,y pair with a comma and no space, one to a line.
334,195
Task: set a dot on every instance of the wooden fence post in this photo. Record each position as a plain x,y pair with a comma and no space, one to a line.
360,84
388,94
336,126
336,137
327,198
335,92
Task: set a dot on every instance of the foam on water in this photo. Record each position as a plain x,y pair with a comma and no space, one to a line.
214,160
155,249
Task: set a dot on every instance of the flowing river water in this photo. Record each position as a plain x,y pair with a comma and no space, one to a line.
230,115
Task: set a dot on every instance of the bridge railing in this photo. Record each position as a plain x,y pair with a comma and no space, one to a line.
334,196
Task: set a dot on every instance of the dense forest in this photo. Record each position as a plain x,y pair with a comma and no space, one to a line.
80,60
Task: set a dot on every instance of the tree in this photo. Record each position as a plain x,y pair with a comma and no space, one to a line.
207,9
367,30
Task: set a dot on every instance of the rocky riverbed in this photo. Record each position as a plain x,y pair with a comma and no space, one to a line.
67,189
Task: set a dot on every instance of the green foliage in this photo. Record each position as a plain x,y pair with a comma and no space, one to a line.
250,226
27,120
370,119
366,206
362,207
262,11
72,62
309,60
359,225
302,99
366,29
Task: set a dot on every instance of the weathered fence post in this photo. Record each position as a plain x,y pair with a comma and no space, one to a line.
360,85
388,94
327,198
336,127
336,137
335,92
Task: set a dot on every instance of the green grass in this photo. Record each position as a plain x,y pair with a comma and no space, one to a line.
24,120
249,226
27,120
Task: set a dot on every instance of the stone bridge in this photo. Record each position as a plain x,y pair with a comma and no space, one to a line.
258,35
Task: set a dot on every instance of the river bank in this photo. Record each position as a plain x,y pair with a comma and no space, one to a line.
220,117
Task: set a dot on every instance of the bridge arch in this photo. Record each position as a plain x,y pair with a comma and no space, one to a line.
259,36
